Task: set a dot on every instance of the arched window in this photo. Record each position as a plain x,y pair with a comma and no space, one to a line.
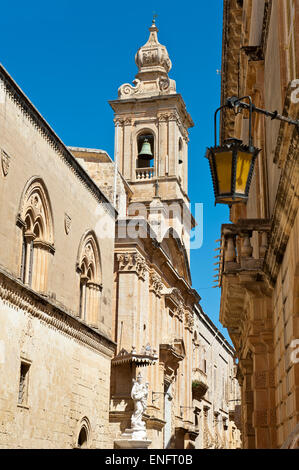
145,150
35,220
89,269
83,434
82,438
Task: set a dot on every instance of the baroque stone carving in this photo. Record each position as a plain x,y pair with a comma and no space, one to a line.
5,162
164,84
156,284
132,262
179,312
126,89
189,320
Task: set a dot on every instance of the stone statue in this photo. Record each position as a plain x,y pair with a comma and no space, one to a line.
139,395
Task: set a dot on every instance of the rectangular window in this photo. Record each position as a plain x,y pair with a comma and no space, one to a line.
23,383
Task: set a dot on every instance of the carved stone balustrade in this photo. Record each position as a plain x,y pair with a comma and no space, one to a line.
241,270
243,246
144,174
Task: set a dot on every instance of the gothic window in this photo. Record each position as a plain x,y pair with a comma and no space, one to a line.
90,287
83,436
145,150
82,439
35,220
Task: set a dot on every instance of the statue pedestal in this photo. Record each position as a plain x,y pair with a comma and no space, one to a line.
133,439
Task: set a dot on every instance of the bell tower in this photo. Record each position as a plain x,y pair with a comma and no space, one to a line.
151,130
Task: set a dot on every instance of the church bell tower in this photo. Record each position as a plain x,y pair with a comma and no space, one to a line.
151,132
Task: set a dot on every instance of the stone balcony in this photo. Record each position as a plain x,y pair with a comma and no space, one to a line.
199,384
241,267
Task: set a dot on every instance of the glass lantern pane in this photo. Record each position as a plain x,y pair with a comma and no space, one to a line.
223,162
242,171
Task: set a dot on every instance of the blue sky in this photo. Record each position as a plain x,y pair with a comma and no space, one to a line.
70,57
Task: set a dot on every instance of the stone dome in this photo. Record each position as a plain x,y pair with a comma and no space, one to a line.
153,65
153,56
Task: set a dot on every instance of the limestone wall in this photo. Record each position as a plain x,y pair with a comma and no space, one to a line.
67,381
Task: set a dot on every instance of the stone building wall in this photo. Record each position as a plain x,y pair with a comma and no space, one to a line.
68,381
260,307
55,364
217,409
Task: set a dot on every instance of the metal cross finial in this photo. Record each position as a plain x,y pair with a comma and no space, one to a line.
154,17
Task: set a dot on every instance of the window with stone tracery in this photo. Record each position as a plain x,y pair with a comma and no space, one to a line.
89,269
35,220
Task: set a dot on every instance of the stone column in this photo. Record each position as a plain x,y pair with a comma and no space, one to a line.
162,164
264,416
173,145
127,153
248,433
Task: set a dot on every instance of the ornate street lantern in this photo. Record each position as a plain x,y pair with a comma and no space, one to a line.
232,165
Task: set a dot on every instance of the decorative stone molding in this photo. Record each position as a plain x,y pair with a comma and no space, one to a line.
130,262
189,320
164,84
67,223
282,220
147,356
127,90
179,312
128,122
21,297
174,296
118,122
5,162
156,284
163,117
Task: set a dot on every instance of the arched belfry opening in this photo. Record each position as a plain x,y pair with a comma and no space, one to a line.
145,150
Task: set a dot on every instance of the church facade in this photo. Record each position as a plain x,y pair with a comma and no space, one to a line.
95,284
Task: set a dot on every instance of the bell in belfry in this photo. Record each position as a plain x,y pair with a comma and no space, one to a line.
145,152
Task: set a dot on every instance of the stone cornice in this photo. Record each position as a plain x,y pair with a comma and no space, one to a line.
116,105
16,294
231,37
53,140
285,210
